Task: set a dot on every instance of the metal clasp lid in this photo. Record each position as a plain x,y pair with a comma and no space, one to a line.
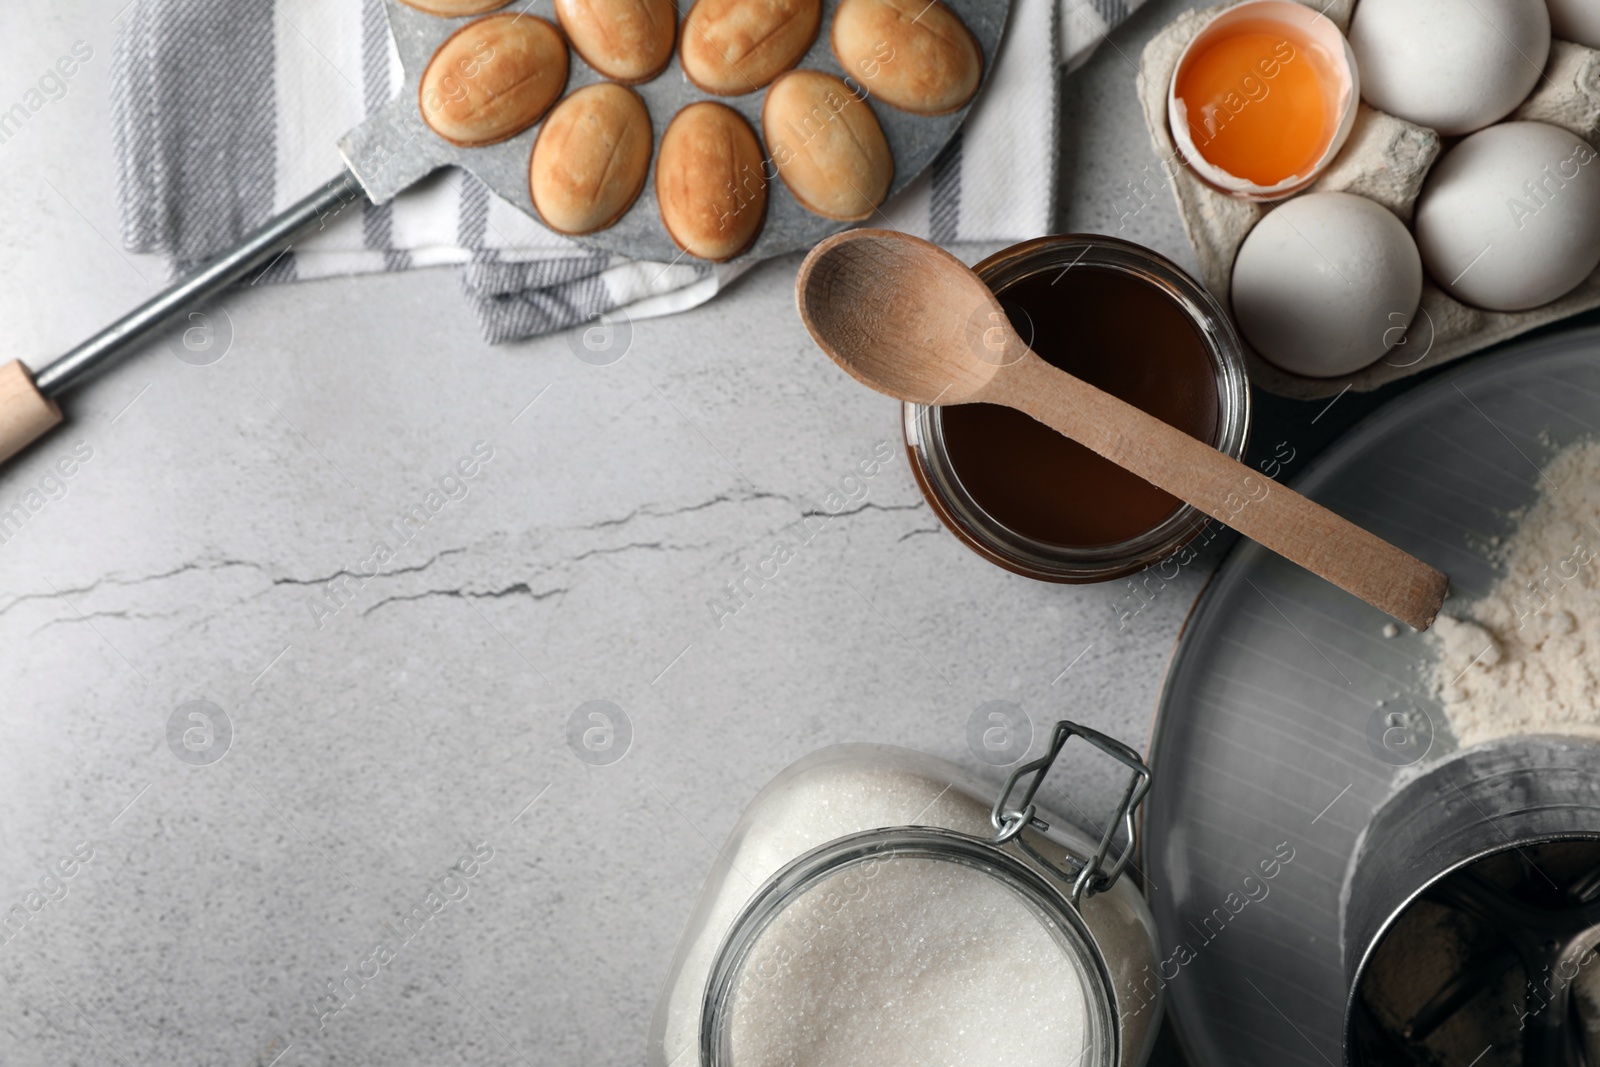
1088,876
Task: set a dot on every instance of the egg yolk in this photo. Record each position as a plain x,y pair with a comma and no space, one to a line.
1260,104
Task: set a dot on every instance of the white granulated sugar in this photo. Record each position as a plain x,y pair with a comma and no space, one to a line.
913,961
924,962
1525,659
829,802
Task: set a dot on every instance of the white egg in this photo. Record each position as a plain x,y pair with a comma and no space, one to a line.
1326,283
1576,20
1454,65
1510,218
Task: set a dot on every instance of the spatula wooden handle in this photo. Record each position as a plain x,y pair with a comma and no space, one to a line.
25,413
1353,559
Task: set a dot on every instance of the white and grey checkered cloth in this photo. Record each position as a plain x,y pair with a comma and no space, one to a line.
227,111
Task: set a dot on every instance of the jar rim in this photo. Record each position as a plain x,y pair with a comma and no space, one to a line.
1051,906
1017,552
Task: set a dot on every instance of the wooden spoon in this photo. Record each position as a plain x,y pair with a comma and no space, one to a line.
908,319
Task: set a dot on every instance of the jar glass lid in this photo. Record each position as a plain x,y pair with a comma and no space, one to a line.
909,945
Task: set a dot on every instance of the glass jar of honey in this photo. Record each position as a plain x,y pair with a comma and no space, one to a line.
1122,318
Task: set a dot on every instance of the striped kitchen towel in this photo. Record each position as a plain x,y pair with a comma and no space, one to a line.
227,111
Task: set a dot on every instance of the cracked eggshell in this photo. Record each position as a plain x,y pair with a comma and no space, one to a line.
1326,283
1509,219
1450,65
1334,58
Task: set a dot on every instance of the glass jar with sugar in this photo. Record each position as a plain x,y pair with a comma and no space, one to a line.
873,905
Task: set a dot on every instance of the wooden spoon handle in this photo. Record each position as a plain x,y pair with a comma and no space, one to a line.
1350,557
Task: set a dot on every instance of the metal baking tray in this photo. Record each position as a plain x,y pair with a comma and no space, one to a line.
1277,729
395,148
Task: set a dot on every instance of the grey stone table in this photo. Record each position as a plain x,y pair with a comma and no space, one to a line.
192,877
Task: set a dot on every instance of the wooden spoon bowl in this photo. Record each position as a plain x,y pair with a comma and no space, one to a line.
896,338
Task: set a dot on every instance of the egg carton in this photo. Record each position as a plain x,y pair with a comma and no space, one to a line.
1385,159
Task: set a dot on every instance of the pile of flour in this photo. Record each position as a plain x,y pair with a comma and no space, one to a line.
1526,658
